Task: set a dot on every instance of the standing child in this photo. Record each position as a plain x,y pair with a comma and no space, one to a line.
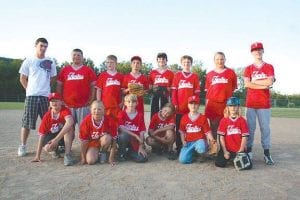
259,77
219,85
162,131
136,77
109,84
131,131
233,132
194,131
97,133
160,80
56,129
185,84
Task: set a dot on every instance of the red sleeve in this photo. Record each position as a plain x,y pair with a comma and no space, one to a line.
146,83
92,75
45,124
99,82
270,71
197,85
247,73
60,77
66,112
222,127
206,127
84,133
244,127
207,81
234,81
151,81
152,123
125,82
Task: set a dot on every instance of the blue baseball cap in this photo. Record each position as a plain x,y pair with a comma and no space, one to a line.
233,101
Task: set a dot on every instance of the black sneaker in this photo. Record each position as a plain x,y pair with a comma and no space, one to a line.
122,158
269,160
172,155
157,150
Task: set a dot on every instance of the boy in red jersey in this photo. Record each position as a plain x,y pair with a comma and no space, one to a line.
161,81
131,132
219,85
185,84
194,131
233,132
109,84
76,83
162,131
97,133
258,78
56,128
135,76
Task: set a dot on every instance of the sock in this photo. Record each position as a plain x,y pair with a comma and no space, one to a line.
266,152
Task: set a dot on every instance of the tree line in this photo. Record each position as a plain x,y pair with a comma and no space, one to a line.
11,89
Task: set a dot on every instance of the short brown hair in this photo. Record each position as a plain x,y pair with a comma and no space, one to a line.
112,57
186,57
42,40
136,58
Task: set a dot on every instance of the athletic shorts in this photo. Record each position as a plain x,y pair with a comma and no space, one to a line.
34,106
214,110
51,136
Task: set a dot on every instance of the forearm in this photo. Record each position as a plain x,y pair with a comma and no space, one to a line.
24,81
122,129
222,141
84,146
92,94
66,128
243,144
252,85
113,149
39,146
98,94
266,82
170,127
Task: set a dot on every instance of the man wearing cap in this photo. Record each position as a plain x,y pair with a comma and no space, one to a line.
36,73
56,128
258,78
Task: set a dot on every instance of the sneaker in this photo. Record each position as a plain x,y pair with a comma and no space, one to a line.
121,158
171,155
68,160
269,160
103,157
22,150
61,149
54,154
250,154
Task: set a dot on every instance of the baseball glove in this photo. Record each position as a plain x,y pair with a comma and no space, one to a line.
242,161
213,148
136,89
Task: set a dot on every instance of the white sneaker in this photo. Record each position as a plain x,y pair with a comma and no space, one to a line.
22,150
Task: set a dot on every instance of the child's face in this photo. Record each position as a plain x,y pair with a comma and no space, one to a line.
97,111
77,58
41,48
166,112
111,64
161,62
193,107
233,110
130,104
186,65
219,61
136,65
257,54
55,104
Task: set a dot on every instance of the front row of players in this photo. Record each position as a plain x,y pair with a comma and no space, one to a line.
99,133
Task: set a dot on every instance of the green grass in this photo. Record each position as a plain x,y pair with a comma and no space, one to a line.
276,112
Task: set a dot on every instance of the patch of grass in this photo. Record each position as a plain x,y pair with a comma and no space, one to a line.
11,105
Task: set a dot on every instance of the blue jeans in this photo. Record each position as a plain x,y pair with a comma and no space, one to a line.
187,151
264,116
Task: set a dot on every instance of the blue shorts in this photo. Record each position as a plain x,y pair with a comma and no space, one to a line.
187,151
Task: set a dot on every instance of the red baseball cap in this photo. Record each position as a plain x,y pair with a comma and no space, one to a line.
256,46
54,95
136,58
194,99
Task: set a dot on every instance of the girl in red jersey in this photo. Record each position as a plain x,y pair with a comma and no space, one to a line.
56,129
162,131
233,132
97,133
185,84
131,132
194,131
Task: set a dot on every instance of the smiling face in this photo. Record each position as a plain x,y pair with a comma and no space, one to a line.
257,54
186,65
193,107
233,111
219,60
166,112
136,65
77,57
162,62
97,110
55,105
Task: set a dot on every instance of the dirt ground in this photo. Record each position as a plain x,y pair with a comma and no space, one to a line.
157,179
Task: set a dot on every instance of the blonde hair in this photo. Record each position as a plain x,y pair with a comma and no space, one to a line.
97,102
227,114
112,57
130,97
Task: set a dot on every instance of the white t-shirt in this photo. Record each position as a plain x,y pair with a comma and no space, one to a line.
39,72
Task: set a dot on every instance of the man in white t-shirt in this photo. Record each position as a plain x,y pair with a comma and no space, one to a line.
36,73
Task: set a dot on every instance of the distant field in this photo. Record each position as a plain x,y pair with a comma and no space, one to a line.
276,112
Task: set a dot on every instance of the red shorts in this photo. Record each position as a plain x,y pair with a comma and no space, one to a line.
215,110
94,144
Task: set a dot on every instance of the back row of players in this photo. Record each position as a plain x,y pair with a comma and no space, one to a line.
78,87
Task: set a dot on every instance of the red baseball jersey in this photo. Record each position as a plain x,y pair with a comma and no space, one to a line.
50,124
194,129
258,98
135,125
142,80
220,86
89,130
158,122
76,85
159,78
233,130
110,86
183,87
